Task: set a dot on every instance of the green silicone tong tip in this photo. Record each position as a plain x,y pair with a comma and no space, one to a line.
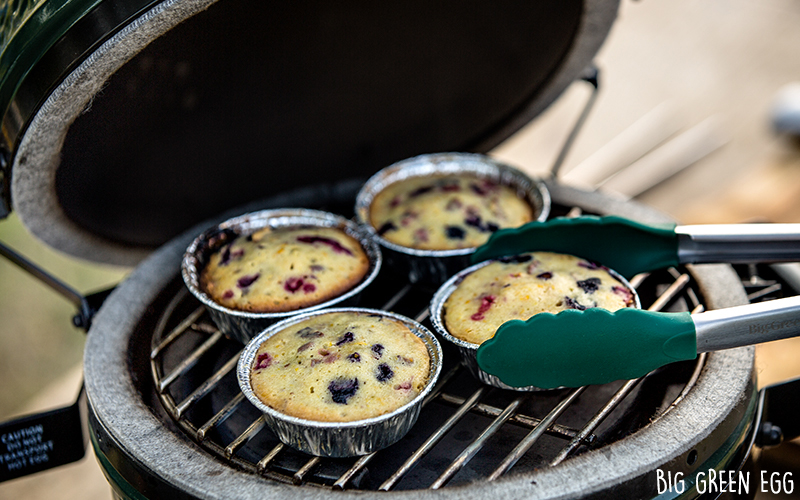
626,246
575,348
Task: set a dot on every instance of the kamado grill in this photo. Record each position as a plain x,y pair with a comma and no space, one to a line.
126,123
464,441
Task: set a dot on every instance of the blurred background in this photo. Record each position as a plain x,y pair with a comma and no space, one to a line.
686,111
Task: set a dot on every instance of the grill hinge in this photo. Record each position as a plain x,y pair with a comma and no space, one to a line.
87,305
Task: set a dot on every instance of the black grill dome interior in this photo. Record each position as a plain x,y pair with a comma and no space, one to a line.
251,98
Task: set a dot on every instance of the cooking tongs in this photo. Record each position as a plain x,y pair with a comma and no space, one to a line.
631,247
575,348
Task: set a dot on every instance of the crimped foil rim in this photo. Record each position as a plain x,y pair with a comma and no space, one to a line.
249,352
191,263
469,350
425,165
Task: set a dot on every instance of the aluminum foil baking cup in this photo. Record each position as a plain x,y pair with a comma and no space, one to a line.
341,439
435,266
468,350
244,325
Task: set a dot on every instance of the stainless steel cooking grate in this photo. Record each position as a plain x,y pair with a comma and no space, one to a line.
466,431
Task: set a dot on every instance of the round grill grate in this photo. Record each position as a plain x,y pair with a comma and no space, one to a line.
466,431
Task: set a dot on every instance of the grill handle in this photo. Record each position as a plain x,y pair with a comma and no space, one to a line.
738,243
43,441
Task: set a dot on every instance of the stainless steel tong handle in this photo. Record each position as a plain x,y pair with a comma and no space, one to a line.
747,325
738,243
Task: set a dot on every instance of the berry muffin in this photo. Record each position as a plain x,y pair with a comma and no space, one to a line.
446,212
521,286
278,269
340,366
429,213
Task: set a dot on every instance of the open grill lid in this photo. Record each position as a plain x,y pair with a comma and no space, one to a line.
132,120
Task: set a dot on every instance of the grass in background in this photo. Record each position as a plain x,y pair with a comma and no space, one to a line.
38,342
